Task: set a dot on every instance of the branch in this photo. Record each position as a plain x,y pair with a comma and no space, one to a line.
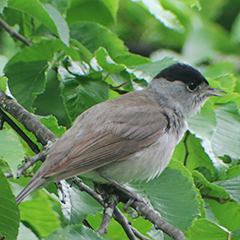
142,208
5,118
117,213
15,34
154,217
108,213
120,218
42,133
30,161
138,234
87,189
8,174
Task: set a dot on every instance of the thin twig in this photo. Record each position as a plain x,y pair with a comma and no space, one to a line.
120,218
108,213
8,174
15,34
138,234
32,160
87,189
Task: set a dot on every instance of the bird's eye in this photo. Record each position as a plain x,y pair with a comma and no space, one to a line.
192,87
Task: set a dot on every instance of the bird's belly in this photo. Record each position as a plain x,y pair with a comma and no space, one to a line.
144,165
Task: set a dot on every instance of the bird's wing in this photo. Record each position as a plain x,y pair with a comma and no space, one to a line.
129,132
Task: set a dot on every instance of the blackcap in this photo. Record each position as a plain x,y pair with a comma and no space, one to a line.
128,138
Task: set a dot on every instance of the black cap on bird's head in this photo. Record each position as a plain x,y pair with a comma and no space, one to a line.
182,72
188,75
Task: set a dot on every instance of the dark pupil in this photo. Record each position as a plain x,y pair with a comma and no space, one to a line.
192,86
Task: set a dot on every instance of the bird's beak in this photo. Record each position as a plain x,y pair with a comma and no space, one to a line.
214,92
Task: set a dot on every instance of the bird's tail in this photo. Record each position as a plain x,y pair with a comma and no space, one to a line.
35,183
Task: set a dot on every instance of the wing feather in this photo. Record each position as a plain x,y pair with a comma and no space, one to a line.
124,135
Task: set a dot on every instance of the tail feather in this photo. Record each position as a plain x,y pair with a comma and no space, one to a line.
34,184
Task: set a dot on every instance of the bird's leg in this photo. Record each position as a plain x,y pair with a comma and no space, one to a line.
122,188
130,195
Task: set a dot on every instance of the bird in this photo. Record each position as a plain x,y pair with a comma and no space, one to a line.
129,138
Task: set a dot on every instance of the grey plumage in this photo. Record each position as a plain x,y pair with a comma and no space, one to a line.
128,138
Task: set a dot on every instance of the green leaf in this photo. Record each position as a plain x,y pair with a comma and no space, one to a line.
106,62
61,5
39,215
83,52
192,3
185,172
60,23
26,80
78,205
204,229
112,6
233,171
150,70
75,233
227,82
168,18
48,17
3,4
9,212
131,60
52,124
52,94
36,10
227,213
235,29
226,138
156,234
87,11
204,122
43,50
81,92
161,194
120,78
218,69
93,36
235,235
26,234
196,158
232,186
4,60
231,97
80,95
3,83
207,188
196,49
11,149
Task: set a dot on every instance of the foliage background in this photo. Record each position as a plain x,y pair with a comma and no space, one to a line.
81,49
